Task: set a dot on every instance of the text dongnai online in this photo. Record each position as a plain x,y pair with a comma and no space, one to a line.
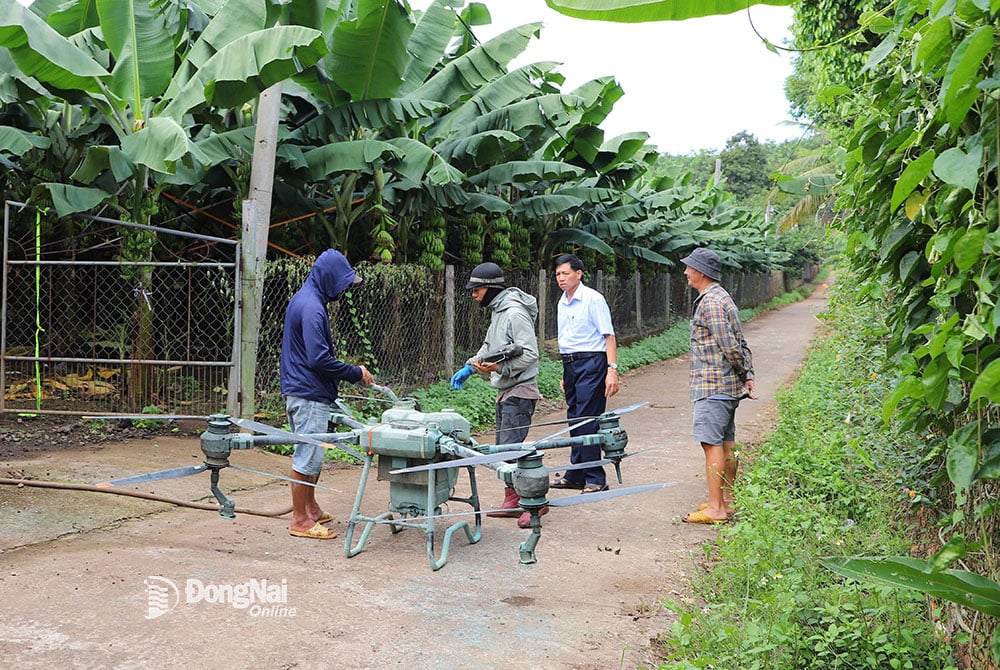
258,596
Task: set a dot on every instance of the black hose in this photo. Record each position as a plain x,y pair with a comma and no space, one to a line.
66,486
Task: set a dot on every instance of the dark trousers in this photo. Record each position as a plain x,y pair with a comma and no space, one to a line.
583,380
513,418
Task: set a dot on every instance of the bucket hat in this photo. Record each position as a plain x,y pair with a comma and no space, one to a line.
706,262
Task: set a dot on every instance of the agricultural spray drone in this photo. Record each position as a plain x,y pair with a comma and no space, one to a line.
420,455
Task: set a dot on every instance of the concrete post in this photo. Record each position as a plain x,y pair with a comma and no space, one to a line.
449,317
543,292
638,303
256,222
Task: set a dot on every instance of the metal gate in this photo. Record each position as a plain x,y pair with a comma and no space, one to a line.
85,333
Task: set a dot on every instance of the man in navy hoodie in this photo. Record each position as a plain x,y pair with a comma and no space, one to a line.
310,375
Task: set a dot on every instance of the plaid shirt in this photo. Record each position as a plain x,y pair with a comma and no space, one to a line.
721,361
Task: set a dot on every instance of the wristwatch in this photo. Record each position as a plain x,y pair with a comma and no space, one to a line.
613,366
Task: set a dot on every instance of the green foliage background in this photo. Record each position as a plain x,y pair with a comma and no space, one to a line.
830,480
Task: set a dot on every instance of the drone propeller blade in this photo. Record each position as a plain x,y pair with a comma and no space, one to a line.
594,464
556,422
294,437
464,462
282,477
629,408
173,473
604,495
579,466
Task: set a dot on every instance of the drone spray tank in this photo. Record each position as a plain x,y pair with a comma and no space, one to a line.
406,438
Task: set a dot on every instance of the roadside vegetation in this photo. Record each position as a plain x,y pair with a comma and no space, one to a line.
831,480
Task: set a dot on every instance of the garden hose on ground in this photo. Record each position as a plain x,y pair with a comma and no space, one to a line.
134,494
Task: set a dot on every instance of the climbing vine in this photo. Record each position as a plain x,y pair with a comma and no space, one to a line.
920,209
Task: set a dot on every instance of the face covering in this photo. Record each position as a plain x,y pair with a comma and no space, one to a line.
491,293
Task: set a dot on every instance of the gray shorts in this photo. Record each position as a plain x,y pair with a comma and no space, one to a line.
715,421
307,417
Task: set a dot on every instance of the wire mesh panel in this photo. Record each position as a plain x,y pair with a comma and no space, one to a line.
119,339
99,336
393,323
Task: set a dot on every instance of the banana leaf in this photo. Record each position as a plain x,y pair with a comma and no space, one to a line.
958,586
641,11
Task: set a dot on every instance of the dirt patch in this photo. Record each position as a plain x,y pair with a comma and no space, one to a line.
77,569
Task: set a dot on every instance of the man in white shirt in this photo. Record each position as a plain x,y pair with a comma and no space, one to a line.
589,354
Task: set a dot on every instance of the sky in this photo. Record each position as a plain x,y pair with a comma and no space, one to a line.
690,85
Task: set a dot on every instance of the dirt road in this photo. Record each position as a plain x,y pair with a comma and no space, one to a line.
76,568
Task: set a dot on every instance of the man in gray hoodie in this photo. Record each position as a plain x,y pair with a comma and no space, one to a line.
510,337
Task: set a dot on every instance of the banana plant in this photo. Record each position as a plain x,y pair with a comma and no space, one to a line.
91,51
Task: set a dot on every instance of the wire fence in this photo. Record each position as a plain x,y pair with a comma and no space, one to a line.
118,337
93,334
98,335
413,327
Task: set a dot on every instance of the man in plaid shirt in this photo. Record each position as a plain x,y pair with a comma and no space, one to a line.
721,375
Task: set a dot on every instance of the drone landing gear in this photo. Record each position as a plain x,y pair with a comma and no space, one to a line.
527,548
227,506
406,491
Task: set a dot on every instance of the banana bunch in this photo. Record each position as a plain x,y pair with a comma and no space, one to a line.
500,234
382,238
522,252
431,240
470,239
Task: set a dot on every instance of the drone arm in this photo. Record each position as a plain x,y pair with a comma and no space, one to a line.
344,420
574,441
451,446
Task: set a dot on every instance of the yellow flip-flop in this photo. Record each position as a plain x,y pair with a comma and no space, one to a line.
317,532
326,517
701,517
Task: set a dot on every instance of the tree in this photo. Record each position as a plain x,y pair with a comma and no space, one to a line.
744,164
834,39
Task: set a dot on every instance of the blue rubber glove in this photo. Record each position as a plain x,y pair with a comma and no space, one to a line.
459,377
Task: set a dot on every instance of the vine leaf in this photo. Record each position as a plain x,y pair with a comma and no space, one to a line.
958,90
912,175
969,248
959,168
915,202
908,387
963,456
987,383
879,53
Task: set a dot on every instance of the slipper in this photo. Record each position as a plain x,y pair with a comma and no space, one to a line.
701,517
563,483
317,532
324,518
594,488
730,511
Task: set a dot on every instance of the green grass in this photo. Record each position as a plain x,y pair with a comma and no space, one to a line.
825,483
